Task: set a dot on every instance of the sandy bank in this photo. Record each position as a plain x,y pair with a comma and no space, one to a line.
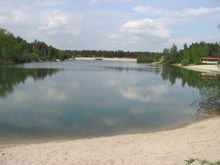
108,59
199,140
203,68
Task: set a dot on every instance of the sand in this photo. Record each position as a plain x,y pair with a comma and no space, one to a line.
108,59
199,140
204,68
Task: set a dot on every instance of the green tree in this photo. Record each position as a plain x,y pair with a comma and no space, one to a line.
172,55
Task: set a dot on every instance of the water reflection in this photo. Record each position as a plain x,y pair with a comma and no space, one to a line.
141,68
90,98
11,77
95,66
207,85
133,90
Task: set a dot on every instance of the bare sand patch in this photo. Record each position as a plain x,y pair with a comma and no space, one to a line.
203,68
108,59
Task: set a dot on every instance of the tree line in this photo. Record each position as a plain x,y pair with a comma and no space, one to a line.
191,54
17,50
111,54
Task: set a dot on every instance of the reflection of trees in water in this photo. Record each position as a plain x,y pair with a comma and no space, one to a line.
209,89
11,77
210,102
146,68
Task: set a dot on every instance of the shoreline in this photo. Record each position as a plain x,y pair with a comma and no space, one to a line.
114,59
22,140
201,68
199,140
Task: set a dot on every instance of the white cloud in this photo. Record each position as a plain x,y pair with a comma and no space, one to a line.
189,12
3,19
142,8
49,2
109,25
173,21
105,1
112,36
158,27
32,21
133,39
180,41
98,1
19,15
54,20
197,11
149,27
59,23
16,16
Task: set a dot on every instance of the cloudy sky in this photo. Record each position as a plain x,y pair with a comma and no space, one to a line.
145,25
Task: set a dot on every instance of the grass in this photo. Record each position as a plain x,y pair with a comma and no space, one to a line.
201,162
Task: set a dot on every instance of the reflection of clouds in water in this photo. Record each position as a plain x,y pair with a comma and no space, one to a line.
139,92
81,101
188,110
44,99
119,84
57,91
53,94
144,94
48,91
111,122
138,111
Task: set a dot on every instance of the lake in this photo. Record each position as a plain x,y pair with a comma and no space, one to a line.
98,98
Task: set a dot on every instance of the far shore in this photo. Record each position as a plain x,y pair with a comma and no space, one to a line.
199,140
201,68
107,59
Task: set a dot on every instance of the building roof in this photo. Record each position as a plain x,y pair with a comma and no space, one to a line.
210,59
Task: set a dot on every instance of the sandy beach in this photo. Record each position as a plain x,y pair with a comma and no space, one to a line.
200,140
108,59
204,68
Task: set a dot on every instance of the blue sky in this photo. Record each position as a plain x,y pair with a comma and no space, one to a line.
135,25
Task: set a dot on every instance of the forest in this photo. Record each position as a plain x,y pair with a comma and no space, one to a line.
191,54
14,49
17,50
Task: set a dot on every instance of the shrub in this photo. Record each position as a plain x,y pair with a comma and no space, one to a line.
147,58
185,62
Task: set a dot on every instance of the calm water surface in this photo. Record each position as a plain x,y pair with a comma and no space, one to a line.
93,98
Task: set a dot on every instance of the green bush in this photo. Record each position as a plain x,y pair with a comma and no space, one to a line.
147,58
34,57
185,62
198,63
